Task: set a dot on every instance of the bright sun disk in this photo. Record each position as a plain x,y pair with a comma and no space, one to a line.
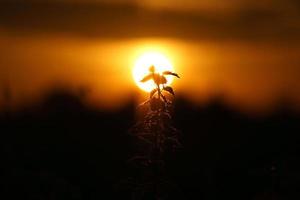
141,69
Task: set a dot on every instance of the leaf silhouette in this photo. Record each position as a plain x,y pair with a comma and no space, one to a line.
153,92
159,79
146,78
170,73
163,80
152,69
169,89
156,78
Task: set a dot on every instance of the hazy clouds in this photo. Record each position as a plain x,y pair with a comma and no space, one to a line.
189,19
247,50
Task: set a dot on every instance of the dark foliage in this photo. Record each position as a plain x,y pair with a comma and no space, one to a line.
61,149
156,136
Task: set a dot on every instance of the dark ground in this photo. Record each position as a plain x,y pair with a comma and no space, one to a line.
62,149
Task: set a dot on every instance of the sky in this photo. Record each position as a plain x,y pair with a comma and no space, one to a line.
246,51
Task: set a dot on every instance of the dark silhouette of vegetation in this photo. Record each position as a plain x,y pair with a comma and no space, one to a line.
61,148
158,136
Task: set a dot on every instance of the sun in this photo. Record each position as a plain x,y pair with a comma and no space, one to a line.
141,69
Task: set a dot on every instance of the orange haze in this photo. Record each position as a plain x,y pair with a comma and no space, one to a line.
244,51
247,75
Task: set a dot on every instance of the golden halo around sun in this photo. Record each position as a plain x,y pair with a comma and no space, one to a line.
141,69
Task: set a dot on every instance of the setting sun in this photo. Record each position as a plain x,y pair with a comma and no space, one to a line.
141,69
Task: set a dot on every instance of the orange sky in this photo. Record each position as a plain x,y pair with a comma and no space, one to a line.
247,59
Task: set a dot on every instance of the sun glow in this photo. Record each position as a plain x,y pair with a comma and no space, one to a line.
141,69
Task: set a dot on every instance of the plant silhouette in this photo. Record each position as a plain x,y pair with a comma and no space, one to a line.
157,137
157,121
160,81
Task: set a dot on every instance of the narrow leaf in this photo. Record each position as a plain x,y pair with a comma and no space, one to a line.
142,104
146,78
169,89
170,73
153,92
164,98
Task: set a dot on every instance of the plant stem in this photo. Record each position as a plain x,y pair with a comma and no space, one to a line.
158,90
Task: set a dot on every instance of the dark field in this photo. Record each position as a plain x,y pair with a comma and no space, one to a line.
62,149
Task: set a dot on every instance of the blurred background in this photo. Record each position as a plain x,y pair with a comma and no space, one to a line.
67,96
